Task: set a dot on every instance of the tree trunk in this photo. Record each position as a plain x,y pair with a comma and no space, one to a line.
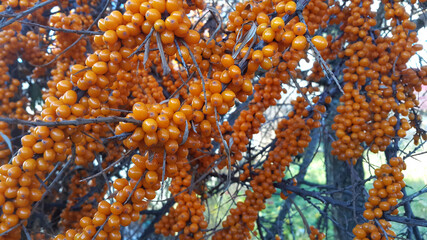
342,176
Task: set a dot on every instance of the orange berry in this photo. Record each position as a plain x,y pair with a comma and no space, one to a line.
319,42
179,118
277,24
151,177
152,15
171,23
171,146
299,43
160,5
162,121
227,60
160,25
192,37
149,125
174,104
288,37
290,7
110,37
268,35
299,28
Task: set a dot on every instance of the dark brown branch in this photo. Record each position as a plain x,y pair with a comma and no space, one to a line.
407,221
84,32
77,122
409,199
317,195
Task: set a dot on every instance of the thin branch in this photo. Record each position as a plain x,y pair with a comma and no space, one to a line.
78,40
198,70
110,166
77,122
25,13
318,56
409,199
84,32
165,65
59,176
147,39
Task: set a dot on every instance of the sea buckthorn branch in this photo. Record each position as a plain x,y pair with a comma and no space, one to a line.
84,32
41,181
184,126
76,122
27,234
413,231
307,159
4,14
385,187
319,58
304,220
25,13
409,198
227,150
316,195
158,215
257,177
315,231
78,39
328,200
11,229
408,221
57,177
104,175
70,161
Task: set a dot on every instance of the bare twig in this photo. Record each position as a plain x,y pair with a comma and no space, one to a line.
41,181
300,90
227,150
163,172
407,221
147,39
304,220
27,234
110,166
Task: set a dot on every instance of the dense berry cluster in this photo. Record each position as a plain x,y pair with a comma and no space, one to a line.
383,197
189,102
377,95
